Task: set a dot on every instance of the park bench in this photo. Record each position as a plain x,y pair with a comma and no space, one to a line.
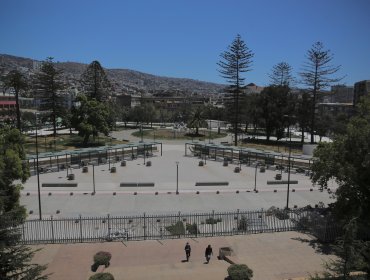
59,185
199,184
133,184
285,182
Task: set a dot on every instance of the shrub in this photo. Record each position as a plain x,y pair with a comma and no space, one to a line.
213,221
102,258
176,229
243,223
240,272
278,213
192,228
102,276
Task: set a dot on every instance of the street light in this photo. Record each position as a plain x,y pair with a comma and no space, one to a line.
93,165
141,130
177,177
37,172
255,177
290,152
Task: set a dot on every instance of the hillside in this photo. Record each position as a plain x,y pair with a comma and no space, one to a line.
123,80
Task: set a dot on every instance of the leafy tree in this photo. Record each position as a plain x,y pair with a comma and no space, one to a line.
48,85
95,82
281,75
15,259
317,75
237,59
197,120
347,160
273,102
90,118
324,124
347,250
15,80
303,113
251,111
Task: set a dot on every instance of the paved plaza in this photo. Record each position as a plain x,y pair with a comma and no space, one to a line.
162,198
271,256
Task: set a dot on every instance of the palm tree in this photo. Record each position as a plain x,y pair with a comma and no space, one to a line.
197,120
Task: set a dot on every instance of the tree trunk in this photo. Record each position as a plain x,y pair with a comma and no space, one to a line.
302,136
17,110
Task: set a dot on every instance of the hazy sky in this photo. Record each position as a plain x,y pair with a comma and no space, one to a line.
184,38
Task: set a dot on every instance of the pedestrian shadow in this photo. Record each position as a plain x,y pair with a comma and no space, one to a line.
184,261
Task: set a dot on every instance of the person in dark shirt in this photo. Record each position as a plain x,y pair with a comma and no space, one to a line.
187,251
208,253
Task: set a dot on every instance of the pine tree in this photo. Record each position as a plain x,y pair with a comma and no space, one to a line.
15,80
317,75
237,59
14,257
281,75
48,85
95,82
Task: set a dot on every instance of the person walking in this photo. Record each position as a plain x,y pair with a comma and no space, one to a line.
187,251
208,253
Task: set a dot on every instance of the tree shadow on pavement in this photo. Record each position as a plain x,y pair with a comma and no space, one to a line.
320,247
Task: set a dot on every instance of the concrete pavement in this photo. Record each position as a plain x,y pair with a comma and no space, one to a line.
271,256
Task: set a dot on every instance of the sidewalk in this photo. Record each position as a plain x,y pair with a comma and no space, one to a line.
270,256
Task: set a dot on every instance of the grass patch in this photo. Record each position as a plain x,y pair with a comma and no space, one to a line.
169,134
65,142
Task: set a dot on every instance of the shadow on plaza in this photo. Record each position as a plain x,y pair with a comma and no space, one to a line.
320,247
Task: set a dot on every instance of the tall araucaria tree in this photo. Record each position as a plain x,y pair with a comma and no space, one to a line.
95,82
281,75
48,86
237,59
317,74
15,80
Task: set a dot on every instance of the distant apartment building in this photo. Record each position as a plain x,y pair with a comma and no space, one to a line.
7,107
339,94
361,89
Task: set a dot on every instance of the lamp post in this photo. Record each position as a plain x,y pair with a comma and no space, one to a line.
37,172
290,152
210,131
177,177
141,130
93,165
255,177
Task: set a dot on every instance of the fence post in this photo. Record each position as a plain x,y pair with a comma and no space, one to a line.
237,222
213,221
179,220
23,235
261,227
108,219
52,229
80,228
144,226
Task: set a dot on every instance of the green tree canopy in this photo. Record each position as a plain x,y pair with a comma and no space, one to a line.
95,82
90,118
237,59
347,160
197,119
48,86
17,81
15,259
317,74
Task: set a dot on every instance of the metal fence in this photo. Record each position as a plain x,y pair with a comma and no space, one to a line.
143,227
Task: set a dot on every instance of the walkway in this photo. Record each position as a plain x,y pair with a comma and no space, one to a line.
271,257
